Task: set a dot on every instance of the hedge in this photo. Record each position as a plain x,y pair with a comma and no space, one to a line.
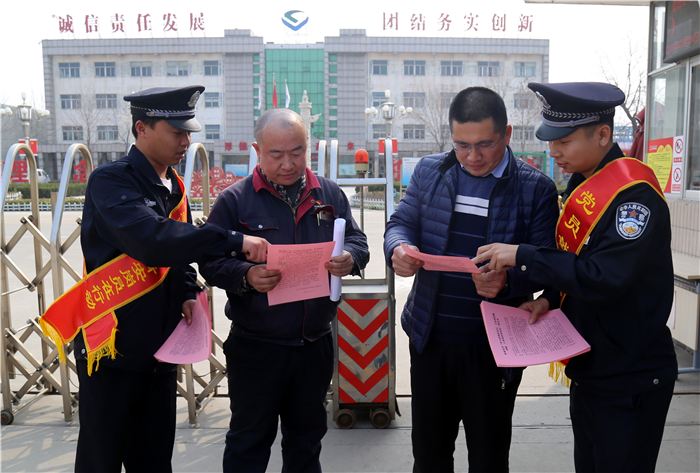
74,189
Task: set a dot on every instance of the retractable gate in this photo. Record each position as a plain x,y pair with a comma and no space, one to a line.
25,374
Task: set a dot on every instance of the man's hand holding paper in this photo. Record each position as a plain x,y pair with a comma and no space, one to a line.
262,279
501,255
489,283
340,265
405,265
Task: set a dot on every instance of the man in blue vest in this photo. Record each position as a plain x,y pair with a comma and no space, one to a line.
457,201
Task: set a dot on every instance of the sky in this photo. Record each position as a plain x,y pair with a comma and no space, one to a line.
584,39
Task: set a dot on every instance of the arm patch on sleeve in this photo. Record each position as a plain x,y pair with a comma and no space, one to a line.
631,220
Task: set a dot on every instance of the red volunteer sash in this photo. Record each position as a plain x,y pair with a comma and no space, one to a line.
585,207
91,303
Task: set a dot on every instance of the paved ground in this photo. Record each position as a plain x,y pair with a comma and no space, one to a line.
40,440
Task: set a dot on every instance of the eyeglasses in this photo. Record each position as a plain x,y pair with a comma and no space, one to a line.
482,146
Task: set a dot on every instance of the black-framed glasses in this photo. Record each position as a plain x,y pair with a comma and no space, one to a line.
482,146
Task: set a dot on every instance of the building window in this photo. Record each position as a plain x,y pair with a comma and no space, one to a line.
141,69
211,99
333,123
445,130
524,69
72,133
414,68
451,68
524,101
414,132
488,68
333,102
523,133
70,102
333,112
332,57
107,133
332,68
378,98
379,68
211,68
446,98
256,57
176,68
106,100
378,131
105,69
332,79
414,99
212,132
69,69
333,91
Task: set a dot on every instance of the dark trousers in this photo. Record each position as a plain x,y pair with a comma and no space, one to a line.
125,417
268,382
618,433
453,383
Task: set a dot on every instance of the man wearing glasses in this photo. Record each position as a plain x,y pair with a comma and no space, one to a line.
457,201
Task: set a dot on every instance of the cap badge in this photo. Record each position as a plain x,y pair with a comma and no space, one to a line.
193,99
545,104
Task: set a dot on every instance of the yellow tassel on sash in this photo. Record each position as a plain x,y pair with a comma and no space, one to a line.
55,336
556,371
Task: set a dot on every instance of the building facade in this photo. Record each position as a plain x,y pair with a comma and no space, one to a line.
85,81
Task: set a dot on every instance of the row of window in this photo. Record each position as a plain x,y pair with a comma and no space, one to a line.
213,132
418,99
111,133
417,132
138,69
333,102
380,67
75,102
104,133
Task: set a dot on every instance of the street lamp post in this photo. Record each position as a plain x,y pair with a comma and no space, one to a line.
24,111
390,111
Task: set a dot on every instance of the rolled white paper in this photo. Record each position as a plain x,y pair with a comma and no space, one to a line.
339,239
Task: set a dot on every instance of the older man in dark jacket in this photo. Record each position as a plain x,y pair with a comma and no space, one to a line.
280,358
455,202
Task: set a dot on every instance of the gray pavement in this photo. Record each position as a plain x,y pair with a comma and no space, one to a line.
40,440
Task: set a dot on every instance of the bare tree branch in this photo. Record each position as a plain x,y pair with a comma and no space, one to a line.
434,115
632,81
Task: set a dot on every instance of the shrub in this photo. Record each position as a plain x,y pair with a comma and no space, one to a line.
45,190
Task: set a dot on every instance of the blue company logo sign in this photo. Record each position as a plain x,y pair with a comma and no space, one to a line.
295,19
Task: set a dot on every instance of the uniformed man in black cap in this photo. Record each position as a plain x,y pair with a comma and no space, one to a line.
613,269
136,207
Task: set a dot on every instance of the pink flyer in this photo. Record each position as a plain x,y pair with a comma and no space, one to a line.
189,343
303,268
515,343
442,263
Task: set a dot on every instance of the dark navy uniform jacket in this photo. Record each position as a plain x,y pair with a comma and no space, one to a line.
126,211
619,293
253,207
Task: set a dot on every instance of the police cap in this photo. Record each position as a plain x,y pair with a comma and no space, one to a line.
567,106
174,105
